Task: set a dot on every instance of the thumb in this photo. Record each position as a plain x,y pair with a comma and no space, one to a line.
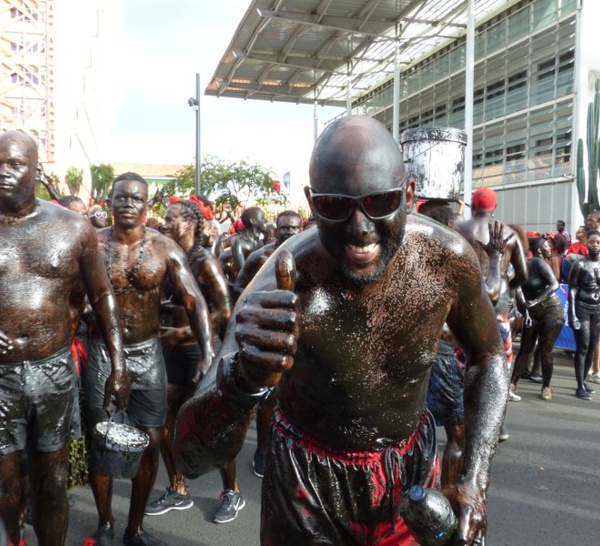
285,270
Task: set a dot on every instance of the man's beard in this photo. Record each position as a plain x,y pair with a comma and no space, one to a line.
389,247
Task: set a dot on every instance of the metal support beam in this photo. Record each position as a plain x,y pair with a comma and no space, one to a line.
353,25
469,97
396,93
195,104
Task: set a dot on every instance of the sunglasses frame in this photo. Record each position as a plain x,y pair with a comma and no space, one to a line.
99,214
358,201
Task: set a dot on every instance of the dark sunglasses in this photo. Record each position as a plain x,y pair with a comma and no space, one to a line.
376,206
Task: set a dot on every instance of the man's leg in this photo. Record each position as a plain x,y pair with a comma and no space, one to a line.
49,476
176,395
25,495
143,482
231,500
102,488
176,497
10,499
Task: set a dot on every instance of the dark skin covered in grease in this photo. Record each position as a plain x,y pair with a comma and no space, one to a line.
48,258
477,231
210,278
288,225
139,299
244,243
351,347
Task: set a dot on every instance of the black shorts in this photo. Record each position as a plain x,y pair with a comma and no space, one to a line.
446,387
39,404
146,370
182,364
342,497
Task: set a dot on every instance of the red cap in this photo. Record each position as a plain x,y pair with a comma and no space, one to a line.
484,199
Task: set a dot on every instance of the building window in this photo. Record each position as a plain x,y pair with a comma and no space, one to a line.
493,157
427,117
458,105
517,81
546,69
515,152
563,148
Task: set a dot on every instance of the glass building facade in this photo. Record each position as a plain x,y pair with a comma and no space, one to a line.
523,107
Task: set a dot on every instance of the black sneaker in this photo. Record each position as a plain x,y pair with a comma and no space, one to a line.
582,394
142,538
103,536
588,388
258,464
230,504
169,501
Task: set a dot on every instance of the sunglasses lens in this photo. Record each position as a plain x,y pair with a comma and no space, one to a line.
380,205
331,207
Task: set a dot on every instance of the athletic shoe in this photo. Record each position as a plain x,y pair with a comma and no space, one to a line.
514,397
102,537
582,394
546,394
536,378
230,504
593,378
504,435
141,538
589,389
169,501
258,464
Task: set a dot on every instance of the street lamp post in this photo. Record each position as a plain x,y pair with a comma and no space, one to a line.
195,104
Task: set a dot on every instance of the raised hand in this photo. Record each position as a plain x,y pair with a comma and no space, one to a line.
496,242
267,329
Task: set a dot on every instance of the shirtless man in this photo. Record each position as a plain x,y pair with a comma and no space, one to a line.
46,254
445,393
184,223
138,260
289,223
98,216
513,268
349,347
245,242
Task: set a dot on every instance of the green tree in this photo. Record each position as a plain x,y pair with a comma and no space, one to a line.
228,184
74,179
102,178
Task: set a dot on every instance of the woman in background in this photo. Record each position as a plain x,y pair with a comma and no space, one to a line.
538,302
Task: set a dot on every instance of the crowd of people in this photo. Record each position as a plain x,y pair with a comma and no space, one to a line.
347,337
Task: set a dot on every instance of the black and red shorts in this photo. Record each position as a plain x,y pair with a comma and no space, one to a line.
316,494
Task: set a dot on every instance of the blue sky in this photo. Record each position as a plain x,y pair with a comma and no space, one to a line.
164,45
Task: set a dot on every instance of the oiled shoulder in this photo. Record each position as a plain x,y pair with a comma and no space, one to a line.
55,221
427,235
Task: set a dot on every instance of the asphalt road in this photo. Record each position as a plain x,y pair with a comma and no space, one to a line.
545,488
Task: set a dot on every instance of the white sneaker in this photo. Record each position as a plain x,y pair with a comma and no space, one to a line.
594,378
512,397
546,394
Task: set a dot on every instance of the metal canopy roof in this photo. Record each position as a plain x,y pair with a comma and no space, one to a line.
304,51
